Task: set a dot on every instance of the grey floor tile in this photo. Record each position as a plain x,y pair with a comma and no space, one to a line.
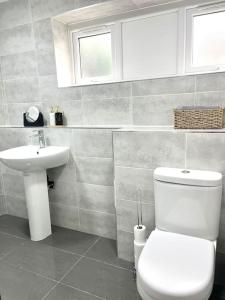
102,280
106,251
16,284
8,243
64,292
15,226
42,259
218,293
70,240
220,269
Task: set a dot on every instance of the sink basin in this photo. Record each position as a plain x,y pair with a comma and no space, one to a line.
33,158
33,162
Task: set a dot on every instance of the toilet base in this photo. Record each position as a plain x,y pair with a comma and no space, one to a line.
145,296
142,293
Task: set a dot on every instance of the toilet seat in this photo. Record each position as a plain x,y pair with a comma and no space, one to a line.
175,266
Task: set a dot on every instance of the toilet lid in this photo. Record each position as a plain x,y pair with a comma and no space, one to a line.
176,266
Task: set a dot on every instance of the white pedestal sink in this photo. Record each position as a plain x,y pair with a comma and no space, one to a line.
33,162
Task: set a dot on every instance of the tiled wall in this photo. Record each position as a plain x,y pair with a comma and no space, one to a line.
28,76
83,197
137,154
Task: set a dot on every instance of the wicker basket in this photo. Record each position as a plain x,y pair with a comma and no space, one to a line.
198,118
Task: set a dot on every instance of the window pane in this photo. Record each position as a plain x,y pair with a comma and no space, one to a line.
209,39
96,55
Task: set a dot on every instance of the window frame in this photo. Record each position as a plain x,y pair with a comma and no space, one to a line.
75,35
190,14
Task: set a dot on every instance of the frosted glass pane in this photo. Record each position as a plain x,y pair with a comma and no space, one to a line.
209,39
96,55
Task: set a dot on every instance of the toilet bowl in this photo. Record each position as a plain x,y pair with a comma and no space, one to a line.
175,266
178,259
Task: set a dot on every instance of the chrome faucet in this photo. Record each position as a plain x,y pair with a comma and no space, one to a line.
41,137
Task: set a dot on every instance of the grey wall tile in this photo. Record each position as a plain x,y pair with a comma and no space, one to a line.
105,91
72,112
16,206
93,142
129,180
50,92
95,170
211,98
107,111
14,185
19,65
47,8
13,137
96,197
64,215
3,208
210,82
172,85
126,212
58,137
14,13
22,90
98,223
149,149
16,40
2,92
43,34
63,173
158,110
125,245
206,151
3,114
46,62
2,191
64,192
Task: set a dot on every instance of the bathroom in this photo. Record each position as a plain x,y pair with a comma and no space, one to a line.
104,127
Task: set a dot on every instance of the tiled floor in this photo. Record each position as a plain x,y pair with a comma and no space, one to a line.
69,265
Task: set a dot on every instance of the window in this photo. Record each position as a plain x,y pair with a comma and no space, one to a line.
144,44
167,43
205,39
93,56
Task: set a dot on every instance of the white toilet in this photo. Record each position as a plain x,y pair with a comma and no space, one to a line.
178,259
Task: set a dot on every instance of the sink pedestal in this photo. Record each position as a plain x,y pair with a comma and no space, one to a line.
37,200
33,161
